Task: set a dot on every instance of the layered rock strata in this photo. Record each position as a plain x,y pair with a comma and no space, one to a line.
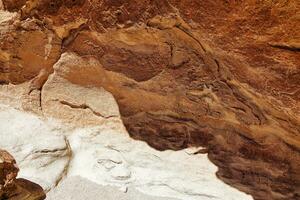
184,73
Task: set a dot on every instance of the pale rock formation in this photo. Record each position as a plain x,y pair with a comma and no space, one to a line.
6,21
40,150
49,152
63,98
13,95
71,189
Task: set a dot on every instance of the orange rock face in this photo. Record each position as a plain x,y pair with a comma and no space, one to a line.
220,74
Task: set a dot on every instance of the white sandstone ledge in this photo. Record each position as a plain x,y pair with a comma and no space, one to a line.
51,154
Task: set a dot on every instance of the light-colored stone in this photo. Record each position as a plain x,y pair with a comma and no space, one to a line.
6,16
49,152
72,189
77,104
39,148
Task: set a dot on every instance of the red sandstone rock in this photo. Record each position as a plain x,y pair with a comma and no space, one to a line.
220,74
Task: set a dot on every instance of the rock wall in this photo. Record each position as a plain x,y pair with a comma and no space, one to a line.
219,74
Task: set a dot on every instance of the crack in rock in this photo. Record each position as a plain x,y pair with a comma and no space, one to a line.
66,168
85,106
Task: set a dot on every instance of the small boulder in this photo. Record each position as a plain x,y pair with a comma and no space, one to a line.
12,188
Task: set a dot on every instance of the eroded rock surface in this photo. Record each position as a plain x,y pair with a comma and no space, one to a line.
74,98
51,154
42,161
220,74
27,47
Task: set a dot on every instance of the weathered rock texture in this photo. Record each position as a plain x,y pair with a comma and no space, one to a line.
71,189
8,173
12,188
51,153
220,74
74,98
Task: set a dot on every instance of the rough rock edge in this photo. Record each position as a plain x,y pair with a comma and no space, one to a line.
13,188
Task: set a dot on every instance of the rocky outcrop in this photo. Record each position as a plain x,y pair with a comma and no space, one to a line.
12,188
40,160
51,153
200,102
74,98
27,47
219,74
9,171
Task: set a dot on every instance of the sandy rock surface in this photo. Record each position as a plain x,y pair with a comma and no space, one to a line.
77,188
48,152
81,104
218,75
